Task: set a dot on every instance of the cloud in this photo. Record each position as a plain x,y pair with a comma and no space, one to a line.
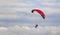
48,6
51,10
14,6
46,0
48,3
26,30
3,28
53,19
9,17
23,14
11,9
15,2
16,12
21,6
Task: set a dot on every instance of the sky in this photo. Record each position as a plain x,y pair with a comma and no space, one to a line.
16,17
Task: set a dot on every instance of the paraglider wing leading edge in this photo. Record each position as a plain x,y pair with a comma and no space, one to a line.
40,12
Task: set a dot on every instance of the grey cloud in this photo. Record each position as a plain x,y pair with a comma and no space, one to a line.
26,30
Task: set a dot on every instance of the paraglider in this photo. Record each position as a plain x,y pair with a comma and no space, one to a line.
40,12
36,25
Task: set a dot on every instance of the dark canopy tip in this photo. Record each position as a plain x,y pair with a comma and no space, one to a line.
32,11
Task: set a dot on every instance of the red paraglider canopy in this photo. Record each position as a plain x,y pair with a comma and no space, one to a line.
40,12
